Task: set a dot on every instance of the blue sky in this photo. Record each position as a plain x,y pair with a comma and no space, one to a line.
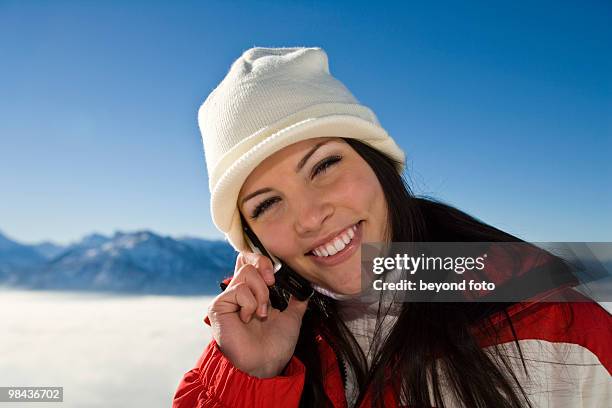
504,110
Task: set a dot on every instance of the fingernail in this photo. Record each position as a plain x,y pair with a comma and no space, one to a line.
263,310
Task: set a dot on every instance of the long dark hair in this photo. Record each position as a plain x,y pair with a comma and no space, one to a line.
430,343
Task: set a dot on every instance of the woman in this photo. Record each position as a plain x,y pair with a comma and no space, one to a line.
314,175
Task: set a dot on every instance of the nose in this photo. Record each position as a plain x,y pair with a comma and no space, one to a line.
313,211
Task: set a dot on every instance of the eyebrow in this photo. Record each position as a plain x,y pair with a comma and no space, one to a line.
307,156
299,167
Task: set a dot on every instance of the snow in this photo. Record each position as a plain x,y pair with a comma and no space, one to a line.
105,350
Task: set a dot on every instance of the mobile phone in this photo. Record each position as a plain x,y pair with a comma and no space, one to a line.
286,280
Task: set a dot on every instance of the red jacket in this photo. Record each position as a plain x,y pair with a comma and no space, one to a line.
577,358
215,382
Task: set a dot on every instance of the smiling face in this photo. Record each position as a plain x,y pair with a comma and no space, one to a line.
316,194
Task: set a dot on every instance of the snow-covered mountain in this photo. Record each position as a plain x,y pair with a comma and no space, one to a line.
15,257
139,262
48,249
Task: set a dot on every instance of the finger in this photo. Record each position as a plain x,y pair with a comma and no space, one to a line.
240,261
238,298
243,296
262,263
249,275
247,301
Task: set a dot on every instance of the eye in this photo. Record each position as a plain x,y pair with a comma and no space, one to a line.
325,164
263,206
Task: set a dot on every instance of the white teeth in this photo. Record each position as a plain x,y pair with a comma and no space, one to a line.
338,244
331,250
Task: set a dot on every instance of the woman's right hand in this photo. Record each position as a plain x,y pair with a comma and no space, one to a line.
255,337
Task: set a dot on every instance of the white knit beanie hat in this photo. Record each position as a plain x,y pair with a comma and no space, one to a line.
269,99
